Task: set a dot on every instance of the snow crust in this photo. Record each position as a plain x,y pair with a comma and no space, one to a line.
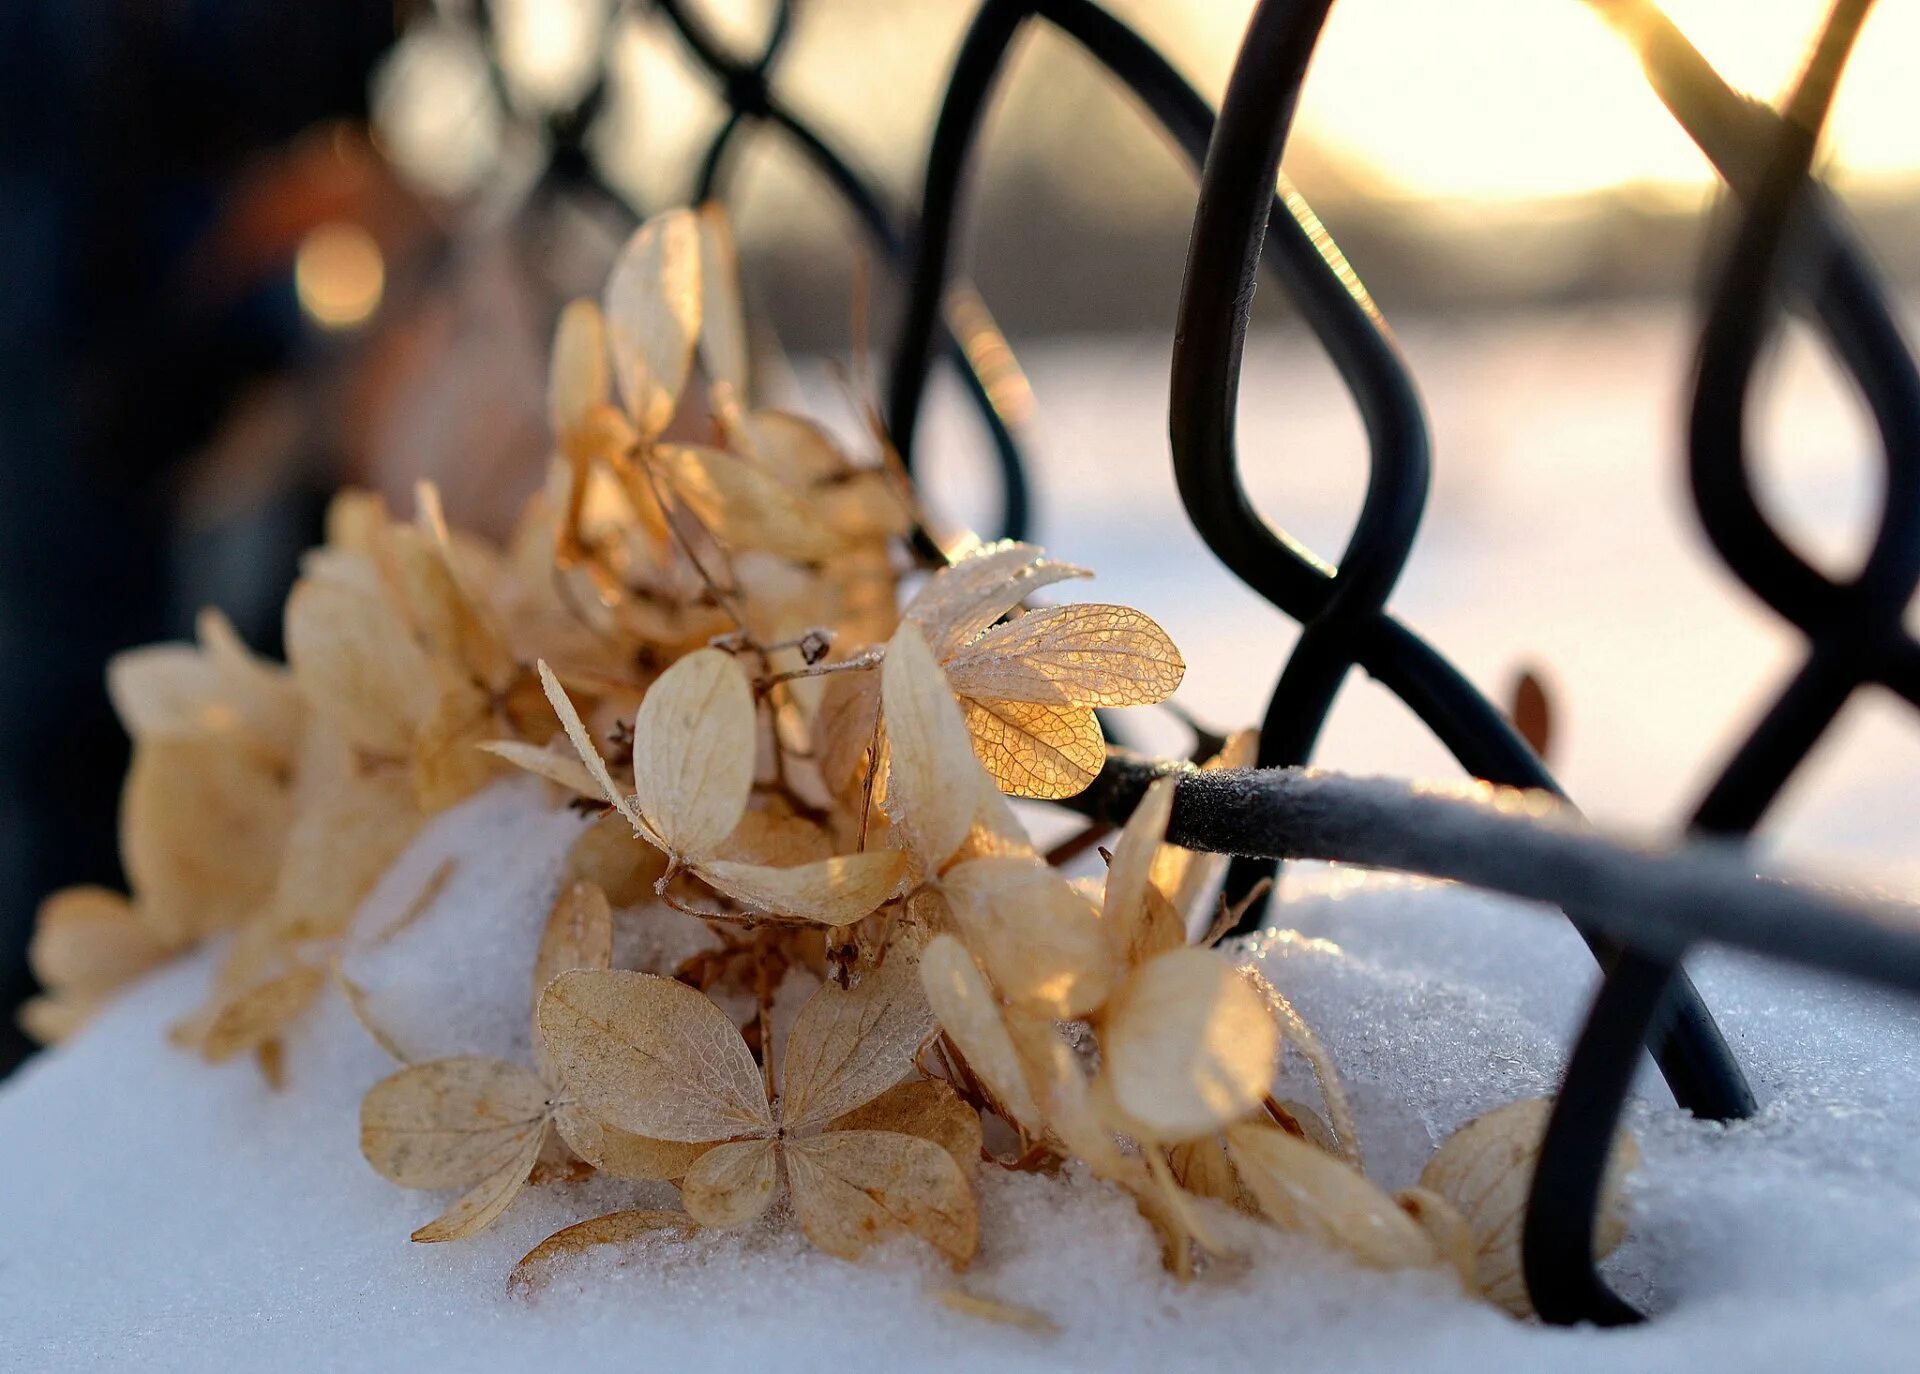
163,1213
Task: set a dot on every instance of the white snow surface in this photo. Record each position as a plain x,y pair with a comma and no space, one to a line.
165,1214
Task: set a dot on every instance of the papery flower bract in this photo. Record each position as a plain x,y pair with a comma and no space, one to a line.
1485,1169
1027,689
483,1124
866,1156
693,773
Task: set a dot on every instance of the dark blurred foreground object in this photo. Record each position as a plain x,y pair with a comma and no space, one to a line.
143,295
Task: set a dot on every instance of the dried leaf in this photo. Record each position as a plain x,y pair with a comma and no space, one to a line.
652,1056
1041,942
731,1185
357,663
652,308
723,319
855,1189
1302,1188
583,745
450,1123
168,689
564,769
931,757
743,506
833,892
1041,750
578,935
1091,655
260,1013
90,940
537,1267
1189,1046
972,1017
345,837
693,752
1447,1229
1138,919
201,826
577,378
611,857
960,601
1485,1169
478,1208
993,1310
928,1108
847,1047
622,1153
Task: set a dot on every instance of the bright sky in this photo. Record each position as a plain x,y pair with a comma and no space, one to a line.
1462,99
1518,98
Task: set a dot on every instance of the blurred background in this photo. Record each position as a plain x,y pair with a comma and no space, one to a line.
253,250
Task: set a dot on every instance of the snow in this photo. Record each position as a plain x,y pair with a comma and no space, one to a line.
159,1212
186,1217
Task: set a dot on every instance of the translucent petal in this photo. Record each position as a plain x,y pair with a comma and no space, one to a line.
929,791
622,1153
730,1185
723,320
1302,1188
652,1056
486,1200
1485,1169
589,753
1041,750
834,892
961,600
926,1107
745,507
652,308
1091,655
1138,918
358,665
963,1001
1041,942
854,1189
693,748
537,1267
260,1013
577,380
1190,1047
848,1046
564,769
449,1123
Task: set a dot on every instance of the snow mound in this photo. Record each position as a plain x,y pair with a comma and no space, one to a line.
158,1212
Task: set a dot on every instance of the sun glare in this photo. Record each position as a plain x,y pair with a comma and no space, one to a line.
1514,99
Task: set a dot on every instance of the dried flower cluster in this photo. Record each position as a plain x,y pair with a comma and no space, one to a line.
696,635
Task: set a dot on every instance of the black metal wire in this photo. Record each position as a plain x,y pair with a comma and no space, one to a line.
1854,628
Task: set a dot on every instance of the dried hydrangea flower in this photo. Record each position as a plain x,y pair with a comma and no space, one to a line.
865,1156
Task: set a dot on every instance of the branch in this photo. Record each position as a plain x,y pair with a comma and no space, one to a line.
1657,898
